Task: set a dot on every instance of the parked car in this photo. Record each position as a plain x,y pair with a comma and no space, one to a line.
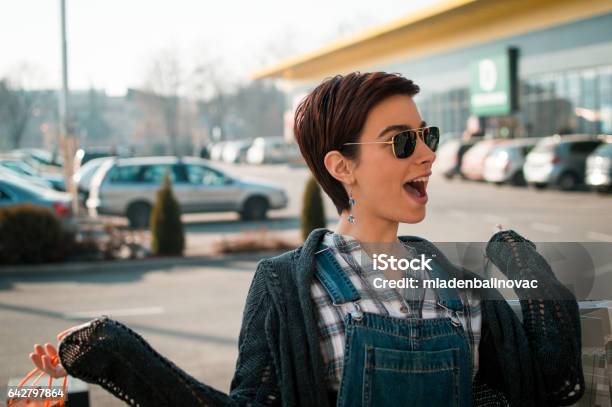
83,155
472,165
449,156
38,157
559,161
235,151
216,150
505,163
15,191
269,150
82,178
128,186
7,172
55,181
599,168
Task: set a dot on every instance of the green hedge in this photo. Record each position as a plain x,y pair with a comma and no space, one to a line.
32,234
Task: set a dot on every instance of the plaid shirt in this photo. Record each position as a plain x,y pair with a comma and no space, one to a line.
399,303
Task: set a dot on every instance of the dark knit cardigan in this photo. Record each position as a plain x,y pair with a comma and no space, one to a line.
536,362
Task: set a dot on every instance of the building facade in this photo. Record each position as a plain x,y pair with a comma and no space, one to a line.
561,64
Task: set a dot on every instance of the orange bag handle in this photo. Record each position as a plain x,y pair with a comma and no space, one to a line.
54,362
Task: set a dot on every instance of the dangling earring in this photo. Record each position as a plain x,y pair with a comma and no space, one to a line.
351,218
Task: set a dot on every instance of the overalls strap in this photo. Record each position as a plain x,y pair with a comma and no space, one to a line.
334,279
448,296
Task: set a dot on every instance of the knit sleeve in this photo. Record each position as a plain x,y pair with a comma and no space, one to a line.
551,319
110,354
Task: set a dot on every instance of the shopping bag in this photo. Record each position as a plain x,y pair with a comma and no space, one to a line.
21,399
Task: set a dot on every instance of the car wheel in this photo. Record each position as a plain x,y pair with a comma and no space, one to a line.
606,189
255,208
138,214
537,185
518,179
568,181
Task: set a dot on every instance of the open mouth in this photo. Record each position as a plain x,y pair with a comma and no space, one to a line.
417,187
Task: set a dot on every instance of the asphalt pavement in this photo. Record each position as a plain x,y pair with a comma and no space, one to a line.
191,313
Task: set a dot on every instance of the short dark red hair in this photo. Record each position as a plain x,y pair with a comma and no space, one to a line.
334,113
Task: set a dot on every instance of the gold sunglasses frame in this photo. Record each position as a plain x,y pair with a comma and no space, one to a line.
420,133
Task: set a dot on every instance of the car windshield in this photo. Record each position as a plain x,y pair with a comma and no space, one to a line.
24,185
19,167
87,171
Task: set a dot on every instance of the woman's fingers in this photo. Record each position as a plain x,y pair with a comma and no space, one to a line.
52,370
46,362
36,360
45,358
51,351
38,349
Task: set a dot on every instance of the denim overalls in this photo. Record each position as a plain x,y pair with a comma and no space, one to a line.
391,361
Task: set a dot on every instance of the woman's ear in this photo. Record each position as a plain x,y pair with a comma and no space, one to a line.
340,167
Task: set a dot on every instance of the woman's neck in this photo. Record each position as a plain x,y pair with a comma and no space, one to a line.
370,230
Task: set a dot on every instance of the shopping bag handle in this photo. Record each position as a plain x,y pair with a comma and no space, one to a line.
54,361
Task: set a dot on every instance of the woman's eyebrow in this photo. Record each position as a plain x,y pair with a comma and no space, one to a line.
398,127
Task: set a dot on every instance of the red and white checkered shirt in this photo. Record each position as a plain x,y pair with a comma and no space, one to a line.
394,302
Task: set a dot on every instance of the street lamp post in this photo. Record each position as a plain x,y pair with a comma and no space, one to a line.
68,136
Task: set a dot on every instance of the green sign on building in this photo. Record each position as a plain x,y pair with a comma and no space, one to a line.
493,84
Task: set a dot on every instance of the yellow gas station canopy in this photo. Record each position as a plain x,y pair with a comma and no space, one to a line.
441,27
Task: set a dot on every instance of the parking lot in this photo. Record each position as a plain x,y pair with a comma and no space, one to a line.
457,210
191,313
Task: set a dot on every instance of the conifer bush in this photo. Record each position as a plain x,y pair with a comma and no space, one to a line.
313,212
167,234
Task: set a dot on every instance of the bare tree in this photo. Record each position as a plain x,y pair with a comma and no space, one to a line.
16,108
163,83
18,100
209,86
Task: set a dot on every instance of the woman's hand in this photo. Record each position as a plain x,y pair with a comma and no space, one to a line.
46,357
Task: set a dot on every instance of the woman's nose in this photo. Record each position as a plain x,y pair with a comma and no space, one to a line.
422,152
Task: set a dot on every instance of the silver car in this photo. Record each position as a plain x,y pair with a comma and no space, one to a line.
128,186
599,167
55,181
15,190
82,178
505,163
559,161
269,150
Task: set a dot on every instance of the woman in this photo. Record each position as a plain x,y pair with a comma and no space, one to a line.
310,336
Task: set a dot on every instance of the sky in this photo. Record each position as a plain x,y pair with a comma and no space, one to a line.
112,43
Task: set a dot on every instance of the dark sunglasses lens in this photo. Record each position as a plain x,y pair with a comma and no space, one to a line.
431,136
404,143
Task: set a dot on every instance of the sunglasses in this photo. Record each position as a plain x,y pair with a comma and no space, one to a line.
404,142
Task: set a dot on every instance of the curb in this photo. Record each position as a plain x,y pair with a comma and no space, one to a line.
121,265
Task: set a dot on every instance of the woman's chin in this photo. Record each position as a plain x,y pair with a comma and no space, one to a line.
416,215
